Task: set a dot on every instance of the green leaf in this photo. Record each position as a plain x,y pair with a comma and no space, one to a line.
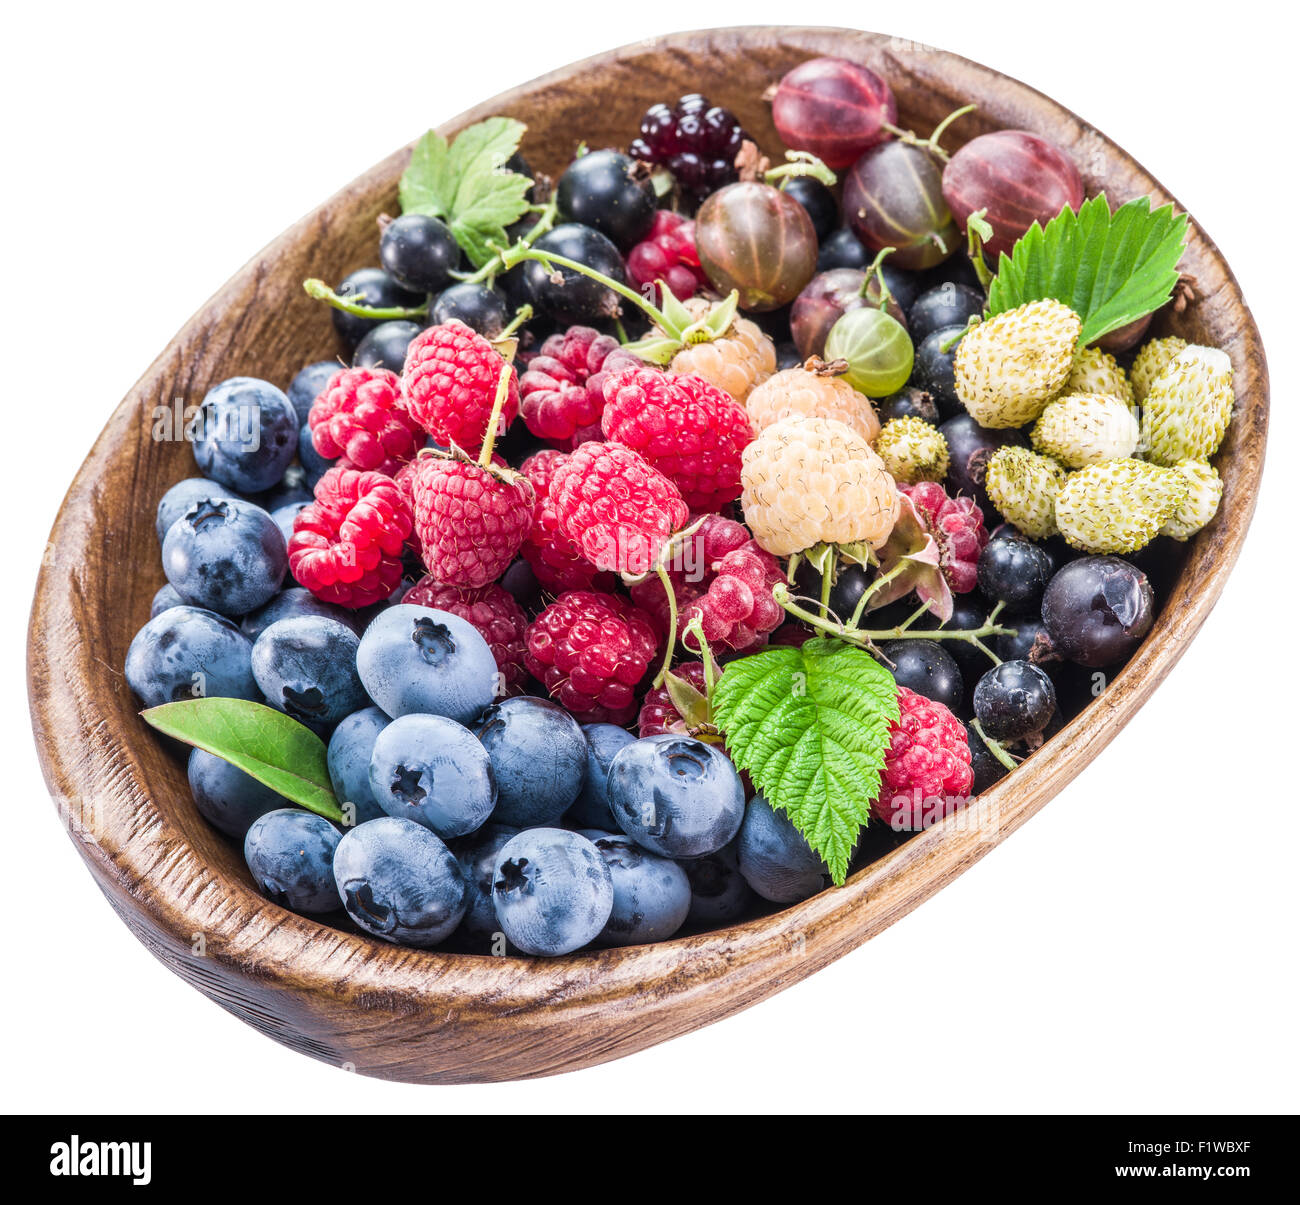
1111,269
265,743
811,726
467,184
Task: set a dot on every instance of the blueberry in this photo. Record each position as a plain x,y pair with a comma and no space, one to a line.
246,433
291,488
608,192
818,200
431,770
947,304
308,384
351,747
417,659
1098,609
419,252
925,667
591,809
1014,700
652,895
225,556
479,307
372,287
477,855
291,604
385,346
552,891
187,652
227,798
1013,570
165,597
290,854
284,517
676,796
400,882
719,893
539,760
184,494
314,464
774,857
306,667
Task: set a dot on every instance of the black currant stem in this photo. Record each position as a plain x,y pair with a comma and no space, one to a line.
670,644
522,315
494,419
978,232
994,747
318,290
521,251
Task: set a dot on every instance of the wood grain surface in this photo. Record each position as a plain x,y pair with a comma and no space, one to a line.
430,1017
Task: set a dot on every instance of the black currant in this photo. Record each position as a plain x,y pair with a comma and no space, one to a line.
985,767
569,296
479,307
925,668
818,200
1097,610
969,449
1030,641
909,402
850,584
1015,571
607,191
1014,700
947,305
373,287
968,614
933,369
385,346
419,252
843,249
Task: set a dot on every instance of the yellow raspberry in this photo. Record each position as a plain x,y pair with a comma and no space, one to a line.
1086,428
1152,359
1188,407
913,450
1097,371
1008,368
1118,506
1204,492
1023,485
742,358
805,392
809,481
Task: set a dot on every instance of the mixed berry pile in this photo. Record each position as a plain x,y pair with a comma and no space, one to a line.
498,555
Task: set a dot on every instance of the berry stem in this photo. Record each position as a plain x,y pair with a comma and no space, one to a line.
994,747
978,232
494,419
670,645
522,315
318,290
522,251
496,264
874,272
696,628
800,163
882,580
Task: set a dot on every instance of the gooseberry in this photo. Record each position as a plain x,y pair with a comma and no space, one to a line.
877,348
827,297
893,197
833,108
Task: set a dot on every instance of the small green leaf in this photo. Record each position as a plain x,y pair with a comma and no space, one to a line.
811,726
264,743
1111,269
427,185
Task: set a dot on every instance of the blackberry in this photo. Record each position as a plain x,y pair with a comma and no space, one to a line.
697,142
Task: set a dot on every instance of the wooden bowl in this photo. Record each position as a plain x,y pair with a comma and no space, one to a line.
429,1017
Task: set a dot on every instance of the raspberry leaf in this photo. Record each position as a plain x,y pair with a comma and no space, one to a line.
266,744
467,184
1111,269
811,725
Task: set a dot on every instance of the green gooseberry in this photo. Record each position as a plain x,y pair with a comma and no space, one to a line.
878,350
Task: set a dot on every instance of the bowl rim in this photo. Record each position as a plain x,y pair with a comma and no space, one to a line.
249,936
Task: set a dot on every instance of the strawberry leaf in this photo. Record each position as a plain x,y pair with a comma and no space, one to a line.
266,744
1111,269
811,725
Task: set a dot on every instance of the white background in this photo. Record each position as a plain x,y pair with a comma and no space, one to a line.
1131,949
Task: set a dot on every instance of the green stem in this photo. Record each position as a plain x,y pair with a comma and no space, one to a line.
994,747
696,628
874,272
800,163
915,615
497,263
318,290
522,315
988,652
942,127
828,581
490,438
978,232
671,643
883,580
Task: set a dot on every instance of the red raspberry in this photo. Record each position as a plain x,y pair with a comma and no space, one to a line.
659,713
687,428
958,528
667,253
555,560
496,615
722,576
471,520
591,651
561,395
360,415
618,510
346,546
450,383
927,765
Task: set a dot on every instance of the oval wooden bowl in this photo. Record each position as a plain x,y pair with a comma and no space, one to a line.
440,1018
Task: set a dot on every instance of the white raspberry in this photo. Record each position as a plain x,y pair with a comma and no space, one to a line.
803,393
